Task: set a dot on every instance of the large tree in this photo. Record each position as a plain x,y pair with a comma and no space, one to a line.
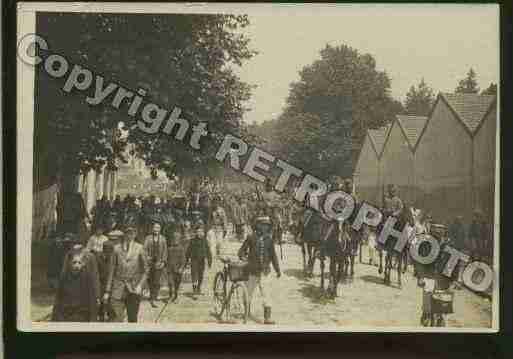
180,60
329,109
419,99
468,84
490,90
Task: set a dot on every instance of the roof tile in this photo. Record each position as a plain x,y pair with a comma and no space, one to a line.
412,127
471,108
378,137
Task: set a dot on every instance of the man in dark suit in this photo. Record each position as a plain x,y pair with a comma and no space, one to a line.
259,250
128,271
198,254
155,248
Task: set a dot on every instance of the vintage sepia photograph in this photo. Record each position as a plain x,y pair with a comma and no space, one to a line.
258,167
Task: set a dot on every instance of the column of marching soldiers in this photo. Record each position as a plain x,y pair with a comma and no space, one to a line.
135,241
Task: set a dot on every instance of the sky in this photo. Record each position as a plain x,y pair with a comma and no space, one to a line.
436,42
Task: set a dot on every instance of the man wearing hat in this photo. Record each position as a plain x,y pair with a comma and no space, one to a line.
393,205
155,248
128,271
259,250
198,252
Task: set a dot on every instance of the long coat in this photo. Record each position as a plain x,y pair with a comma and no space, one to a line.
77,296
127,269
75,300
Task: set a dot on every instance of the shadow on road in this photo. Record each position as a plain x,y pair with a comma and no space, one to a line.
377,280
314,294
296,273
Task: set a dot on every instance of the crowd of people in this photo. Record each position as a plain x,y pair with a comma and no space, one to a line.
136,240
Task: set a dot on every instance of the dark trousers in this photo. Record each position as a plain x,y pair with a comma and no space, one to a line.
105,312
77,314
197,270
128,305
154,281
174,279
239,230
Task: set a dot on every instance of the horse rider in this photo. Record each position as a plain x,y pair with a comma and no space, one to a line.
259,250
393,205
355,237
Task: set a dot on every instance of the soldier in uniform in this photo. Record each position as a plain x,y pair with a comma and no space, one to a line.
259,250
198,252
155,248
393,205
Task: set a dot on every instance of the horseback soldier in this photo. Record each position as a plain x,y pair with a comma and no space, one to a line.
393,205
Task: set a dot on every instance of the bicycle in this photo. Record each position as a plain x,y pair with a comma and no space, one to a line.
233,304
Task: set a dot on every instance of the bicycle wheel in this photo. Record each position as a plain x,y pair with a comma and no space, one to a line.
238,303
219,293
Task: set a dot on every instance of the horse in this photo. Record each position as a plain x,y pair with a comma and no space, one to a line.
322,239
351,246
340,246
399,260
308,238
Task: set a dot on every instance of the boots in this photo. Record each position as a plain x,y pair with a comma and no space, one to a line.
267,316
175,293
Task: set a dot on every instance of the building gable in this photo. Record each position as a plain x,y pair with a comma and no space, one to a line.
412,127
470,109
378,138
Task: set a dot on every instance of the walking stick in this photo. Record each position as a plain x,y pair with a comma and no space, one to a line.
161,311
280,241
175,296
